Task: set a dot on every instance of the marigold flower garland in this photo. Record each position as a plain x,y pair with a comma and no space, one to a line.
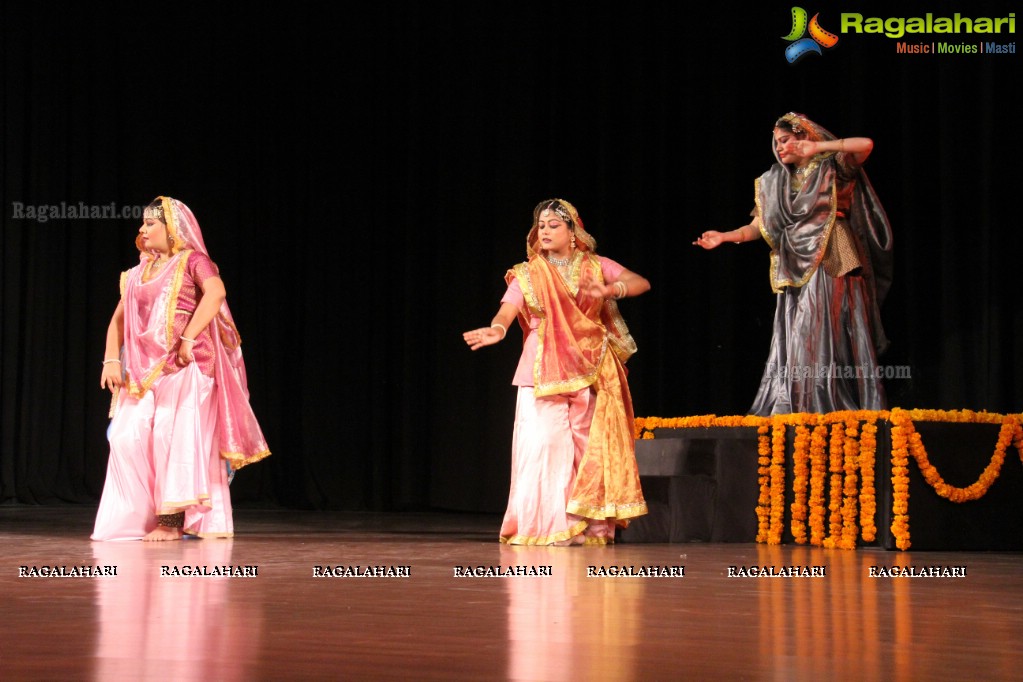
777,482
974,491
900,481
850,487
764,478
850,460
818,472
909,442
835,458
868,494
643,426
800,482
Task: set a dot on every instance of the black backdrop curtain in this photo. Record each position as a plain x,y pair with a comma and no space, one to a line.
364,177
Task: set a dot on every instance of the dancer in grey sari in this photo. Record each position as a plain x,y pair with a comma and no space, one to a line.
830,266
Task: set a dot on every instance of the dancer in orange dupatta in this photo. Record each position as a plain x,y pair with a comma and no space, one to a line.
574,474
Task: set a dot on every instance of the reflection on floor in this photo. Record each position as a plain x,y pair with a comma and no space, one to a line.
284,610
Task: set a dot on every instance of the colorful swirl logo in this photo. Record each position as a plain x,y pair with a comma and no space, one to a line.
801,45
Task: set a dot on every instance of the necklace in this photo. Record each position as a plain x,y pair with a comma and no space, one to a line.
808,167
154,266
799,175
559,262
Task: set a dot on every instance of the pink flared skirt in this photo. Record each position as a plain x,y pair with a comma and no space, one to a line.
164,459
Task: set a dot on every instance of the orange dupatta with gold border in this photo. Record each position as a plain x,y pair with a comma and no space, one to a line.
574,336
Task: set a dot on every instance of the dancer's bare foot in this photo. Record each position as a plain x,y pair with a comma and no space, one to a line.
162,533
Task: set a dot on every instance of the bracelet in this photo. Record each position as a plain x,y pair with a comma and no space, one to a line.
504,330
841,144
621,290
185,338
111,360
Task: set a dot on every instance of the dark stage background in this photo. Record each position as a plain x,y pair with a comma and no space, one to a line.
365,176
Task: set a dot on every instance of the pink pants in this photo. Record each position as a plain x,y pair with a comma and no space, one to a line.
549,441
164,459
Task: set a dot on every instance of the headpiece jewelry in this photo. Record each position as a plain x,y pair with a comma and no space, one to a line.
155,212
560,210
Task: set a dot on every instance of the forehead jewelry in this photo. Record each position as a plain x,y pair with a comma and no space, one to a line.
560,210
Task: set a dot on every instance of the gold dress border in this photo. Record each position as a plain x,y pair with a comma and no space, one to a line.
608,511
574,530
240,459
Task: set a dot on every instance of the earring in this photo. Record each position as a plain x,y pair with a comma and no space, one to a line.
573,241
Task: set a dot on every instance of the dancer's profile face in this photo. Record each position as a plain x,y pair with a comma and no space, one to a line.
554,234
154,234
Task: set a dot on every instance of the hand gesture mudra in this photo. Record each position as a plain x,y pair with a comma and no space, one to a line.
710,239
804,148
484,336
590,286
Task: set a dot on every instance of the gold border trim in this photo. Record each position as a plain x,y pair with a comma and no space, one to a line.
574,530
239,459
210,536
172,303
608,511
178,507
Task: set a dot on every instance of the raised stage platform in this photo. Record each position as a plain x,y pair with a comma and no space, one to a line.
700,485
703,483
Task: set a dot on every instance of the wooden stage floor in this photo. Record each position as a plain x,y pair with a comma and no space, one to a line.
285,623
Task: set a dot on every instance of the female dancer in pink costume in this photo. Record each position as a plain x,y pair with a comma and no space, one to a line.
181,402
574,473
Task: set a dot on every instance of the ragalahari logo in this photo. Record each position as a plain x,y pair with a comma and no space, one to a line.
800,44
